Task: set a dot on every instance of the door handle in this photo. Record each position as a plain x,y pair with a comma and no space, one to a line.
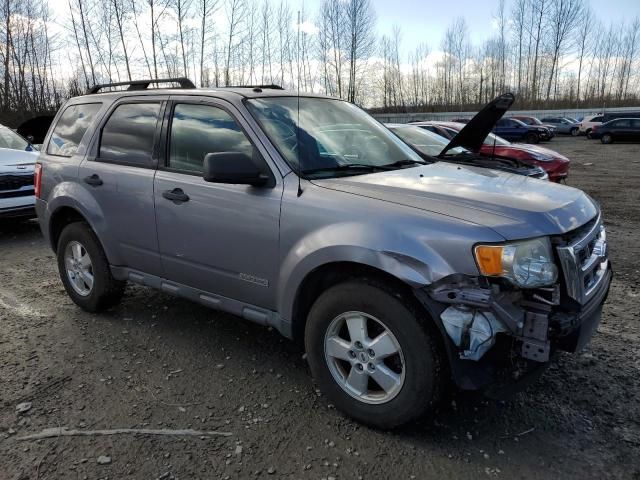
93,180
176,195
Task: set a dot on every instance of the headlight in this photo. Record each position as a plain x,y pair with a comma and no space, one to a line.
543,130
527,264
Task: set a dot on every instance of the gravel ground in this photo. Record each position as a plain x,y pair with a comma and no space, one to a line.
156,362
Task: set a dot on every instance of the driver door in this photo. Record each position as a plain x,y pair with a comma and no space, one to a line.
215,237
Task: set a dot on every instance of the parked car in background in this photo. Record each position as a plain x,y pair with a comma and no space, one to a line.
460,120
618,130
555,164
563,125
433,147
588,122
397,275
535,122
607,117
518,131
17,162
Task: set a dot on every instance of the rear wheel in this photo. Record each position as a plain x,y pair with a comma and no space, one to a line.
372,356
532,137
606,138
84,269
574,132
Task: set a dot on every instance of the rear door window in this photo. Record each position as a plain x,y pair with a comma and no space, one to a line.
71,127
200,129
128,135
621,124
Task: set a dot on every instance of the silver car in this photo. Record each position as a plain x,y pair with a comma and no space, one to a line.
305,214
563,125
17,160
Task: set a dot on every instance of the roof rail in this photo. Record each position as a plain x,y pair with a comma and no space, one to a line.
143,84
258,87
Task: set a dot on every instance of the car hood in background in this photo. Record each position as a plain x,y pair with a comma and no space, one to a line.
17,159
534,149
473,133
512,205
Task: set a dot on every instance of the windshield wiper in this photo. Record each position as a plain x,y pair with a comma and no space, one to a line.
403,163
349,166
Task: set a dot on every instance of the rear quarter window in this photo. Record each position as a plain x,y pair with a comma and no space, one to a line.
70,128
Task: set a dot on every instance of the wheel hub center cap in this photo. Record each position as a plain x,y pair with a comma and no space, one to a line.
363,357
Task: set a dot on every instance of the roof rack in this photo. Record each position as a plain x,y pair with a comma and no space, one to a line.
257,87
143,84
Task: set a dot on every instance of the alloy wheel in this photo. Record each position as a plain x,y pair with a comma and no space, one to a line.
364,357
79,268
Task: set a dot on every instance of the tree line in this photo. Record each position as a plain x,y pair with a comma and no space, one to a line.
550,53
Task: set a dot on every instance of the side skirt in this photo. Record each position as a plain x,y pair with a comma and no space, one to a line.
245,310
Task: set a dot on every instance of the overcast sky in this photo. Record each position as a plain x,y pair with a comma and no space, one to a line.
427,20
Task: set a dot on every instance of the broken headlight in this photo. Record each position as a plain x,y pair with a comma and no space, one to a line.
527,264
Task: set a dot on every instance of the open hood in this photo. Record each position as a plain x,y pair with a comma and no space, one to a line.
474,132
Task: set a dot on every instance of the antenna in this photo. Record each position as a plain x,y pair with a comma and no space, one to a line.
298,125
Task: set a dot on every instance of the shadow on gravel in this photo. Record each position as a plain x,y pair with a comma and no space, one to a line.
18,230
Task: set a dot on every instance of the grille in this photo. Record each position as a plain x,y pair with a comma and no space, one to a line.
584,260
15,182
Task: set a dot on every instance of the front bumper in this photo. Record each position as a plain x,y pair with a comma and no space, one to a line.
17,207
521,351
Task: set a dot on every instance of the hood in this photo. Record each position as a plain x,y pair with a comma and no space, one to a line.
512,205
536,150
14,159
473,133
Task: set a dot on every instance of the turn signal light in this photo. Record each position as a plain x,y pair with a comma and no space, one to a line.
489,258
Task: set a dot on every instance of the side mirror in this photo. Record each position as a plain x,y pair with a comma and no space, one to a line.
30,139
233,167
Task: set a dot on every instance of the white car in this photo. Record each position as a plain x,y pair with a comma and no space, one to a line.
588,122
17,162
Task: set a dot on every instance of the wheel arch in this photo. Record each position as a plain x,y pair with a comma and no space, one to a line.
329,274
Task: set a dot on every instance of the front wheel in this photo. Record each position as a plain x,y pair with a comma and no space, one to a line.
373,356
574,132
532,137
84,269
606,138
588,133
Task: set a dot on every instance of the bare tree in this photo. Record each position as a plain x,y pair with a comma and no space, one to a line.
360,19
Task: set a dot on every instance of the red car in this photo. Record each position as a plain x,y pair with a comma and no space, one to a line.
556,165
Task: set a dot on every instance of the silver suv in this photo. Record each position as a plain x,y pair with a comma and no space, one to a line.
398,274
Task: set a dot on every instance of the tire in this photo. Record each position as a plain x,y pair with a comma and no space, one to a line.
574,132
420,356
77,240
532,137
588,133
607,138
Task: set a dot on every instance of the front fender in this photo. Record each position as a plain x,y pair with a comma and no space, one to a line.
402,256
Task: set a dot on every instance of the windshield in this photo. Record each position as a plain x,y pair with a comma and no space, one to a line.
328,136
425,141
491,139
10,139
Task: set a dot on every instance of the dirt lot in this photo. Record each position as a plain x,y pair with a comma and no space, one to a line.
160,363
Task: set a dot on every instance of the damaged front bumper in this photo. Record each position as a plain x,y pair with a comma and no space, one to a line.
498,338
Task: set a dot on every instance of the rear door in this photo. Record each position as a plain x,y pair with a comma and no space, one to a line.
635,130
509,129
221,238
119,171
